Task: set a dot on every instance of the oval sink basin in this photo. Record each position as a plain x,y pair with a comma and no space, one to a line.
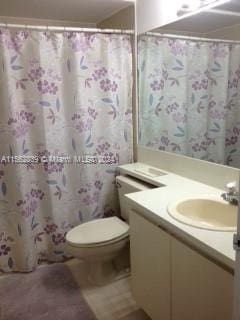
205,213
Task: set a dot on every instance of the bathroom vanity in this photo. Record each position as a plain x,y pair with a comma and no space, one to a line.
178,271
172,280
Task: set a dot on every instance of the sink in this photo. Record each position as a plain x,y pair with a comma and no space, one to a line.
209,213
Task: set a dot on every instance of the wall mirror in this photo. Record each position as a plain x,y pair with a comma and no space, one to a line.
189,86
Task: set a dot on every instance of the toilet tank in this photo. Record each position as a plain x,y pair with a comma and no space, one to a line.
125,185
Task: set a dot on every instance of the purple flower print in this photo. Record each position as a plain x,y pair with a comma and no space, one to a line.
21,202
21,123
109,213
236,131
58,238
46,87
20,131
22,116
83,126
5,238
233,84
110,158
98,184
114,86
157,85
30,202
11,121
231,141
76,116
50,167
105,85
89,200
80,42
219,51
204,84
203,145
217,115
212,104
27,116
50,228
1,174
165,74
92,113
4,250
42,86
178,47
238,73
13,41
82,190
179,117
108,85
38,194
162,148
172,107
36,74
99,73
165,141
102,148
199,85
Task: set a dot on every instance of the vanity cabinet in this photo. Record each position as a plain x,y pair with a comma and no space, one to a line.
150,267
170,280
200,288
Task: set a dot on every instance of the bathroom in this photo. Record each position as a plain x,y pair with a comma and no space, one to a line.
119,160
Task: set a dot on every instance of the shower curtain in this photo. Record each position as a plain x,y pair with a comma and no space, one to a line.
65,125
189,98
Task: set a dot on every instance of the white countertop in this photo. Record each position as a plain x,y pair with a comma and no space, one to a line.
153,205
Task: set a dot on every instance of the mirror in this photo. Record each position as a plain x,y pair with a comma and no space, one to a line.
189,87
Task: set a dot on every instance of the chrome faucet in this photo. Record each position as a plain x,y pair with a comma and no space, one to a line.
233,195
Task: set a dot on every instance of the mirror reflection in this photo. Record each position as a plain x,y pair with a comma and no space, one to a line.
189,97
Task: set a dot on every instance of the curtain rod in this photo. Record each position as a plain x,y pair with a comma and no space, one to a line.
67,29
176,36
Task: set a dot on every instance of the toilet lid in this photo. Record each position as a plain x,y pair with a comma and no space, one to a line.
97,231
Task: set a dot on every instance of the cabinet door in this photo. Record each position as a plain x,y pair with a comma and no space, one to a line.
201,290
150,267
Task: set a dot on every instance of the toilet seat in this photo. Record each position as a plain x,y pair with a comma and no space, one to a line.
98,232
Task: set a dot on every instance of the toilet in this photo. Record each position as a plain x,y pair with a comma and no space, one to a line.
100,241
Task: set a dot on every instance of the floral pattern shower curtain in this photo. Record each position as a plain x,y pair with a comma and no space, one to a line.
190,98
68,96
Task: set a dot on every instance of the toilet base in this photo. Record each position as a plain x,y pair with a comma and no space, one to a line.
101,273
105,272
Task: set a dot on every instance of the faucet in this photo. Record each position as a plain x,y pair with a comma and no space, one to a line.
233,195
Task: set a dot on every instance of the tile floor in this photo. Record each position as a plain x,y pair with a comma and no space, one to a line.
113,301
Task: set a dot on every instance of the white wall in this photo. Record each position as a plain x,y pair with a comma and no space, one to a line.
124,19
46,22
154,13
230,33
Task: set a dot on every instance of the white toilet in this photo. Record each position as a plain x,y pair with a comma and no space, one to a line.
99,241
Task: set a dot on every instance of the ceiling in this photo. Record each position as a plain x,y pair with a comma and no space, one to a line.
223,16
233,5
89,11
203,22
